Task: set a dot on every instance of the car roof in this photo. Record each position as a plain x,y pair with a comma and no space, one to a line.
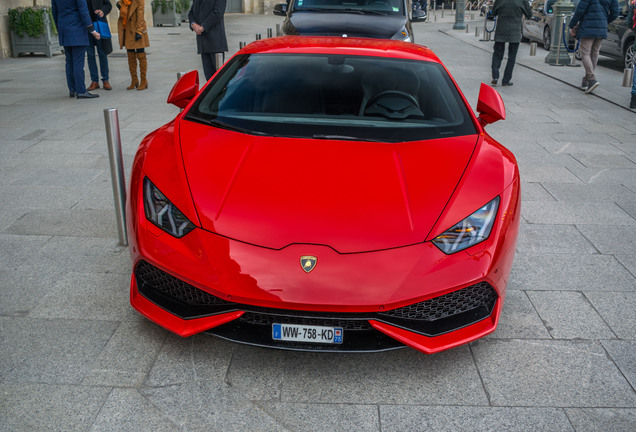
341,45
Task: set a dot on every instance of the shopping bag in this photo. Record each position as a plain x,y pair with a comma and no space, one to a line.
101,27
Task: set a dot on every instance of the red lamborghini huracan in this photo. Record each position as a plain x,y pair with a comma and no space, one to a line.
323,194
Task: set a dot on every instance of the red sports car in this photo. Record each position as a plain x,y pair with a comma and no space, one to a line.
324,194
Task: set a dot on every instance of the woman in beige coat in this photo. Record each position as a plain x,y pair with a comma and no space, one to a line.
133,34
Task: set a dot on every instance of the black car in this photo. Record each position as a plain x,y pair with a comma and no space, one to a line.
383,19
620,37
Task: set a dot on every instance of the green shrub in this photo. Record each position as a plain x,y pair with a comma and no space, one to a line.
30,21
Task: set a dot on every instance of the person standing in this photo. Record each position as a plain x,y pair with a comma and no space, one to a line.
206,20
74,24
508,14
589,25
133,34
98,9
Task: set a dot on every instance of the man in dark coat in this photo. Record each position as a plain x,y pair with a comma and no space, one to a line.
508,14
206,20
98,9
73,27
589,25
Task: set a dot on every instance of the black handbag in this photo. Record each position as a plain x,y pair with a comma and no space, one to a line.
107,45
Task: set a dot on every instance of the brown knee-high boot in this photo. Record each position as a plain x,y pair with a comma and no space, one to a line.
143,68
132,66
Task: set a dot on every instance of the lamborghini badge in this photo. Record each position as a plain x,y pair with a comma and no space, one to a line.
308,262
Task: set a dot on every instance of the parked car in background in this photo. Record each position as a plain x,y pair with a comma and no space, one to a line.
620,37
380,19
419,10
539,28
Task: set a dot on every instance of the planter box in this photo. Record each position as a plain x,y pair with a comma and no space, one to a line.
170,17
186,9
46,43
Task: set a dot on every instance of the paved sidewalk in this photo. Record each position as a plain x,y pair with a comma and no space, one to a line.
75,356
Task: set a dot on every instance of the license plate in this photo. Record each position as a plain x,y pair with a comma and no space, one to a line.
304,333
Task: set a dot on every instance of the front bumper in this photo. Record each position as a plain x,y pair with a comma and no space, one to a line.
186,310
410,296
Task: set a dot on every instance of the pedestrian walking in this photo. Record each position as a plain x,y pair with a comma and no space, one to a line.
98,9
206,20
589,25
133,34
74,27
508,30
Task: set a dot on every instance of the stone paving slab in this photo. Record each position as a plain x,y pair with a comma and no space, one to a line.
75,356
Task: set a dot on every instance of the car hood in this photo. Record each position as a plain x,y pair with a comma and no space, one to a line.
351,24
351,196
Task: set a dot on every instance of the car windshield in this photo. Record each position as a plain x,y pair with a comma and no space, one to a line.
334,96
384,7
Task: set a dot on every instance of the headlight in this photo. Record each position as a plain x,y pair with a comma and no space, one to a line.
472,230
163,213
403,35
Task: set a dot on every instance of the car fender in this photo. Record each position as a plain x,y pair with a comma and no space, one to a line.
490,171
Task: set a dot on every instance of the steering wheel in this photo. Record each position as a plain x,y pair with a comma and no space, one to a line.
393,104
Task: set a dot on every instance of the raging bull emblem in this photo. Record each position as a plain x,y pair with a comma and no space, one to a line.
308,262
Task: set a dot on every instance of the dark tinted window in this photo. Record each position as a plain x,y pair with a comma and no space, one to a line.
384,7
323,96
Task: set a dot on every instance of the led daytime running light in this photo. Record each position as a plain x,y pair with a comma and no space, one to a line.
161,212
470,231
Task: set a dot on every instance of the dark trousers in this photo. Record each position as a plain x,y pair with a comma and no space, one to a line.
209,64
75,68
497,57
94,44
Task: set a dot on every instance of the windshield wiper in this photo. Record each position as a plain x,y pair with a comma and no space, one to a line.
344,10
365,11
344,138
227,126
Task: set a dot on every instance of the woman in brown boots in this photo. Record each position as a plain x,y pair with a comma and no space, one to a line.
133,34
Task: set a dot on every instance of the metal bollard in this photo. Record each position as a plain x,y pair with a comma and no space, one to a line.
113,138
278,32
258,36
628,76
476,31
467,29
573,60
219,58
533,48
270,32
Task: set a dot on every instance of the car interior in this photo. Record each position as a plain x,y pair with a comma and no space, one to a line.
335,91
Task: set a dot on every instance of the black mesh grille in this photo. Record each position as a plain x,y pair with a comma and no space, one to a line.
432,317
176,288
463,300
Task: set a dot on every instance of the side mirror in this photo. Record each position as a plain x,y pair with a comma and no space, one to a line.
490,105
280,9
184,89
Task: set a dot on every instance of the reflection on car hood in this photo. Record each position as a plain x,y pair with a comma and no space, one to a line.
351,24
352,196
